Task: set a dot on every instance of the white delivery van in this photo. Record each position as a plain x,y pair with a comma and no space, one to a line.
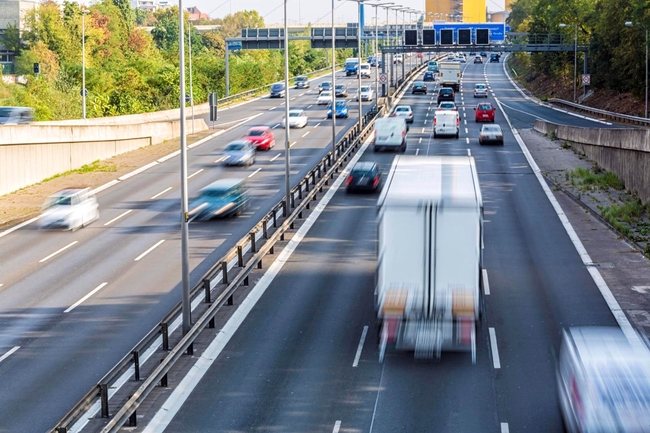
429,256
446,122
449,75
364,70
390,133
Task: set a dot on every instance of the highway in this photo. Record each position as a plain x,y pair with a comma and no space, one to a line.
73,304
306,358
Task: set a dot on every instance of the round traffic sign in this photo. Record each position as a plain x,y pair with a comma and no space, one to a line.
586,79
81,92
383,78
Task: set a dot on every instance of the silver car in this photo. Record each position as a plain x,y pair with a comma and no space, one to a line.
297,119
69,209
480,91
603,381
241,152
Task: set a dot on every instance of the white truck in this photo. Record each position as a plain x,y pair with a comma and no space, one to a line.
390,133
429,264
449,75
364,70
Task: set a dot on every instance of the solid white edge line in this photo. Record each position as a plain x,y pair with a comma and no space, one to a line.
604,289
9,353
255,172
180,394
194,174
505,428
160,193
149,250
19,226
357,357
495,349
57,252
118,217
80,301
337,426
486,284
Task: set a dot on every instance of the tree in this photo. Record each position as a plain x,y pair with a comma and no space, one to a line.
232,25
10,38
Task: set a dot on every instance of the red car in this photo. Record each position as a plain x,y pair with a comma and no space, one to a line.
261,137
484,112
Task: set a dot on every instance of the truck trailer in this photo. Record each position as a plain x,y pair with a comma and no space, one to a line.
430,253
449,75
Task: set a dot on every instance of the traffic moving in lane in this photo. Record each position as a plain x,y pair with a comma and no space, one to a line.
310,336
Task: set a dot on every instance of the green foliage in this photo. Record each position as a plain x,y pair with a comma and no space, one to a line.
95,166
592,179
10,38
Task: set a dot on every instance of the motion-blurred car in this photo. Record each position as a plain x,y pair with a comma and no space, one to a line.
404,111
446,94
69,209
428,76
483,54
364,176
240,152
324,98
324,86
302,82
484,112
447,105
494,58
340,90
478,59
16,115
419,87
297,119
480,91
277,90
261,137
490,134
603,381
367,94
223,198
341,109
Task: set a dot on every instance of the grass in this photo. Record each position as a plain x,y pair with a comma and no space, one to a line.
623,216
596,178
93,167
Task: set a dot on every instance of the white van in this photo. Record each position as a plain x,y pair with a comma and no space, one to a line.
446,122
390,133
364,70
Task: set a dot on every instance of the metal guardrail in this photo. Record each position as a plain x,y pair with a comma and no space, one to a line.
619,117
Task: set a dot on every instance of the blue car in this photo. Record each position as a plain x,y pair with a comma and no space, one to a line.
223,198
341,109
428,76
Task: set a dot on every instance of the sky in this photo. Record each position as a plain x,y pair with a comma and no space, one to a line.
306,11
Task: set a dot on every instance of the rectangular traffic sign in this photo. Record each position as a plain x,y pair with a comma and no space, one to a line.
234,45
497,30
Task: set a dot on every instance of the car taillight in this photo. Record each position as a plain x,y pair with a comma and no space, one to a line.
349,180
375,181
435,121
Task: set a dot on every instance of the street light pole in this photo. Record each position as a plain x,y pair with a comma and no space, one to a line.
189,40
83,62
287,146
185,262
360,29
333,90
376,54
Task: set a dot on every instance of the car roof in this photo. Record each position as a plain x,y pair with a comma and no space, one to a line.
364,165
296,110
241,141
259,128
403,106
488,127
70,191
223,184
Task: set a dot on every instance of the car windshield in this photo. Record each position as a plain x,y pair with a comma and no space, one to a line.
235,146
402,109
326,84
341,104
326,94
418,83
447,105
340,86
7,112
301,78
485,107
480,86
277,87
445,91
214,193
365,89
256,132
491,128
58,200
295,113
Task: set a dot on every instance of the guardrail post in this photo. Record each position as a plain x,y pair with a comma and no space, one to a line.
224,272
103,395
190,349
300,190
265,232
164,330
231,301
163,380
136,364
61,430
284,208
133,418
253,247
240,256
207,291
275,219
293,200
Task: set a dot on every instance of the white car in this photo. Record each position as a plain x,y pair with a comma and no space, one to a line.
446,123
480,91
69,209
603,381
324,98
404,111
297,119
367,94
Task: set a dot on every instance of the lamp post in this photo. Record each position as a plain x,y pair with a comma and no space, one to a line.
630,24
189,40
287,145
333,91
575,59
84,12
359,30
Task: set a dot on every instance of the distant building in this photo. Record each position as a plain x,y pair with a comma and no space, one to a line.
196,14
149,5
12,12
499,17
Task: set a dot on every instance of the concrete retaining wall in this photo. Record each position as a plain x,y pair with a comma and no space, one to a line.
625,152
31,153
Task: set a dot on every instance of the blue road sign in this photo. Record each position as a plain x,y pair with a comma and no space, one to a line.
507,29
497,30
234,45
